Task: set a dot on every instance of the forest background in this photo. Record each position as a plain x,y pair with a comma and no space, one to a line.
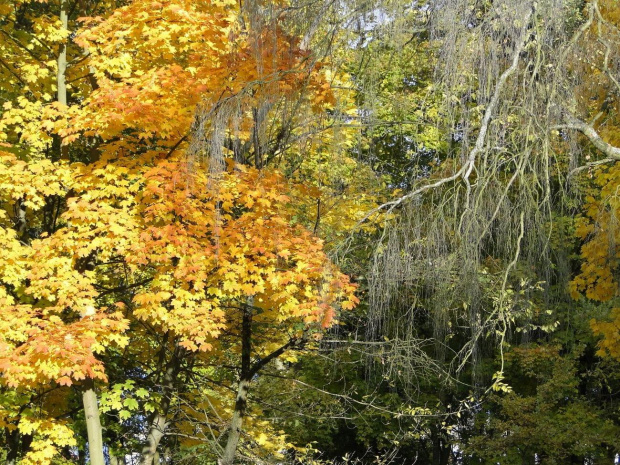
322,232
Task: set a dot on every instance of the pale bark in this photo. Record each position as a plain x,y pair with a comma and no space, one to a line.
588,131
93,424
61,72
21,223
159,421
236,423
465,171
156,433
89,396
612,153
61,84
117,460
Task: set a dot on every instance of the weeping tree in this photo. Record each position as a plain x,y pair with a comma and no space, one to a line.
525,95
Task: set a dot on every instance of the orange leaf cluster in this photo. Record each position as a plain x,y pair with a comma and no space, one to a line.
191,248
154,61
204,245
600,254
598,230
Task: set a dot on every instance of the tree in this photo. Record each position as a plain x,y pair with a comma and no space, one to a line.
122,244
547,416
465,258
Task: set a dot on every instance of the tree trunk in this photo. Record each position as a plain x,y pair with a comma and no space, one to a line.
441,447
93,423
445,453
159,421
236,424
241,401
12,442
436,445
61,76
248,370
168,456
117,460
156,433
61,84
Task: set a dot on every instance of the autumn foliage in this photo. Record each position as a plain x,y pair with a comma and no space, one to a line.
189,246
598,228
107,222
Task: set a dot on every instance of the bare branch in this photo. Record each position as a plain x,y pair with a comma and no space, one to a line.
588,131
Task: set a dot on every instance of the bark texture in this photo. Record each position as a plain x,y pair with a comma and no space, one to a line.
93,424
160,420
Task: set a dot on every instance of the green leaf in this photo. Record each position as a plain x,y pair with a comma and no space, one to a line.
131,403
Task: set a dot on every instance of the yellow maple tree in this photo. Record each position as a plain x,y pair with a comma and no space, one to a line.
121,224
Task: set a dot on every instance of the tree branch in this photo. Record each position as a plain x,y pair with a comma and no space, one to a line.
612,152
273,355
465,171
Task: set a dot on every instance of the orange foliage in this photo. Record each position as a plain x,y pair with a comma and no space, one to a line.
154,61
598,228
190,247
600,254
143,233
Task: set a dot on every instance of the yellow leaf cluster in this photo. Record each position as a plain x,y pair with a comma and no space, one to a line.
600,254
598,229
